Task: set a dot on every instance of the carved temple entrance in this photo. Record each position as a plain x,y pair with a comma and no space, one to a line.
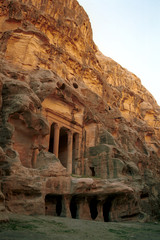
65,143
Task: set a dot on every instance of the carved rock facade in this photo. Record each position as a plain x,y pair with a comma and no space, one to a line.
79,134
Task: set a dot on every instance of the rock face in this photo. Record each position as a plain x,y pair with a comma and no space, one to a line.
79,134
3,213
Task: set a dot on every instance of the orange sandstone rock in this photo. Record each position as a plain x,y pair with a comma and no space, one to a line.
80,134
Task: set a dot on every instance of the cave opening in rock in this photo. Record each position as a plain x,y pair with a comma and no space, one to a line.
107,208
53,205
63,146
73,207
93,208
92,171
51,139
144,195
75,85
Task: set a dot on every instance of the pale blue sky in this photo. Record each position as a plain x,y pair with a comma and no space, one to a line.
128,31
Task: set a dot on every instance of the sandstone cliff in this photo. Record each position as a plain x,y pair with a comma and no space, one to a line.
79,133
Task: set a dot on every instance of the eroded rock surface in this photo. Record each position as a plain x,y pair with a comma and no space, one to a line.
79,134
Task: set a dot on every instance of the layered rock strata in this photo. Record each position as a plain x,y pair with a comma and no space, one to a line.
79,134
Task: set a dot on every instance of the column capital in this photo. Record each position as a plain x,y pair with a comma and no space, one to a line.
70,132
56,125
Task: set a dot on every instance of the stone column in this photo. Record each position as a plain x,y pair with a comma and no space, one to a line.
78,164
56,140
66,207
100,212
69,152
80,157
76,146
34,157
84,211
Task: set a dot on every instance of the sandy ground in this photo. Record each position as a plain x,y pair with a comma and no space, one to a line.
57,228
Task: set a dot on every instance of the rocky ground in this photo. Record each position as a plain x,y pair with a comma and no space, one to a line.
49,228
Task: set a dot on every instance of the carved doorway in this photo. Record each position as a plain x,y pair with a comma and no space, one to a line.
63,146
53,205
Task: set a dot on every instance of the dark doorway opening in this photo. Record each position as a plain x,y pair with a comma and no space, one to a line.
107,208
93,208
51,139
53,205
75,151
93,171
63,146
73,207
